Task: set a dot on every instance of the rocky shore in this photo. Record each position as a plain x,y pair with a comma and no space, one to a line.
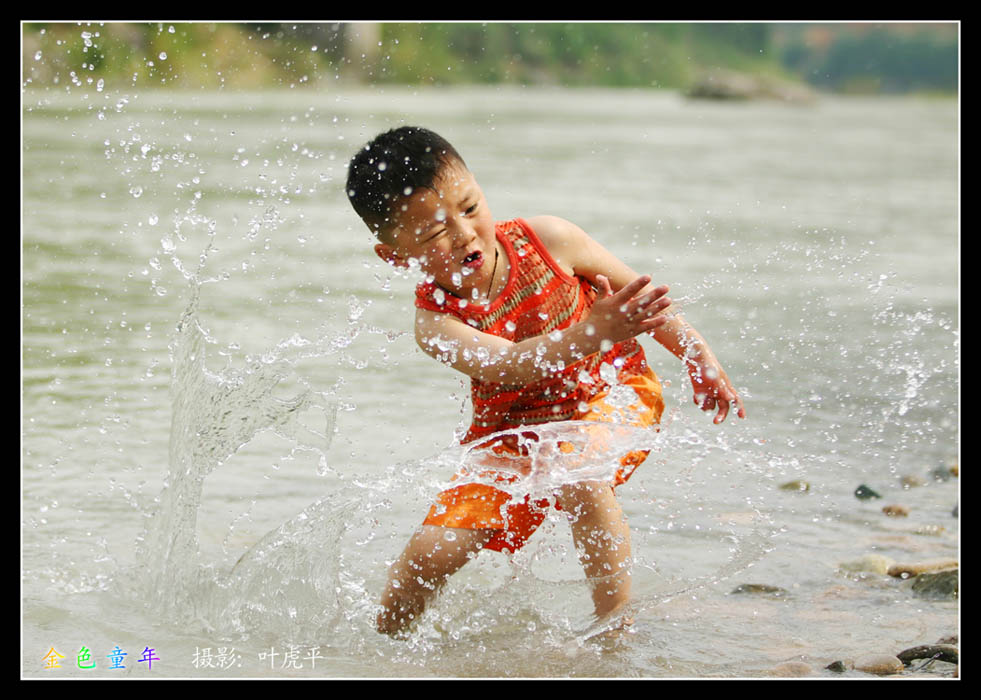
730,85
927,579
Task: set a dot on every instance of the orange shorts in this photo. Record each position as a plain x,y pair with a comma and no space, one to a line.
475,506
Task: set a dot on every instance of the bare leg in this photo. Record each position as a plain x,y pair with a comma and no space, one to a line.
423,567
602,538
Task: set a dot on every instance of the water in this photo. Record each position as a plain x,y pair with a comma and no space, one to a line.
228,433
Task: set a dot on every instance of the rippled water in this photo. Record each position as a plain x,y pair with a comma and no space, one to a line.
228,433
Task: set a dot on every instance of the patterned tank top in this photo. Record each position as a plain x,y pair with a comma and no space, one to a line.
539,298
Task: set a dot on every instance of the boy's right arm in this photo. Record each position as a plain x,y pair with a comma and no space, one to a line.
614,317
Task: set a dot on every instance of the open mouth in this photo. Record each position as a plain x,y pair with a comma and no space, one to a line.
475,259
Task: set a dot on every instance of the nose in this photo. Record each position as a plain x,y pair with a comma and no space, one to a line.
464,235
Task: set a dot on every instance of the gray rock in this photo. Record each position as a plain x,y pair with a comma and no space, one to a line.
941,474
938,585
941,652
759,588
864,493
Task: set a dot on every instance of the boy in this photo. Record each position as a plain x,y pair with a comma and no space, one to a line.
531,311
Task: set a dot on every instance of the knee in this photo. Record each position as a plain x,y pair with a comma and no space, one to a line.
589,499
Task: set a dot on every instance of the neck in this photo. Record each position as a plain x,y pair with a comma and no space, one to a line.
490,287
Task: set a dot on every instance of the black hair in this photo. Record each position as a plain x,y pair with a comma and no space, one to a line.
393,165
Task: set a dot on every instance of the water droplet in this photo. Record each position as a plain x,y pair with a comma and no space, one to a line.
163,56
136,191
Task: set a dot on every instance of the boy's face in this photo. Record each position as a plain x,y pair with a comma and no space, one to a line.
449,231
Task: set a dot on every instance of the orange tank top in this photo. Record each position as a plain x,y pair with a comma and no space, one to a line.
539,298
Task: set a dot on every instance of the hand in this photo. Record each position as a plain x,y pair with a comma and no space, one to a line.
713,389
627,313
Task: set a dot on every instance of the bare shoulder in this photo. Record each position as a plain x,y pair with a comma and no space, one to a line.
554,230
563,239
579,252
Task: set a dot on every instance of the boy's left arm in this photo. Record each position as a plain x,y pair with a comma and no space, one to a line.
712,387
575,250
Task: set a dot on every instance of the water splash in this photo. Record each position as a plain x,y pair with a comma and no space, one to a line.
289,584
214,414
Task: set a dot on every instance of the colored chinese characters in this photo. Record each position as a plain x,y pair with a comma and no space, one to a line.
85,661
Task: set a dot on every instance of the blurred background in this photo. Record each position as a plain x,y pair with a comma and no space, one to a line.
845,57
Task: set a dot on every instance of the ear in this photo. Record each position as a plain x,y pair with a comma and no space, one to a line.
389,255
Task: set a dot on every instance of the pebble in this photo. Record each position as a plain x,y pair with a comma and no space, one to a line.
837,666
937,585
911,480
879,664
792,669
896,510
942,652
874,563
758,588
864,493
915,569
942,474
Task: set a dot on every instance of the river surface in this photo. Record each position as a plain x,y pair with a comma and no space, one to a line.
228,432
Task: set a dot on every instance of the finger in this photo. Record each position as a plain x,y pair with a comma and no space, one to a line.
604,289
656,293
740,410
732,398
656,305
723,411
628,291
655,321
